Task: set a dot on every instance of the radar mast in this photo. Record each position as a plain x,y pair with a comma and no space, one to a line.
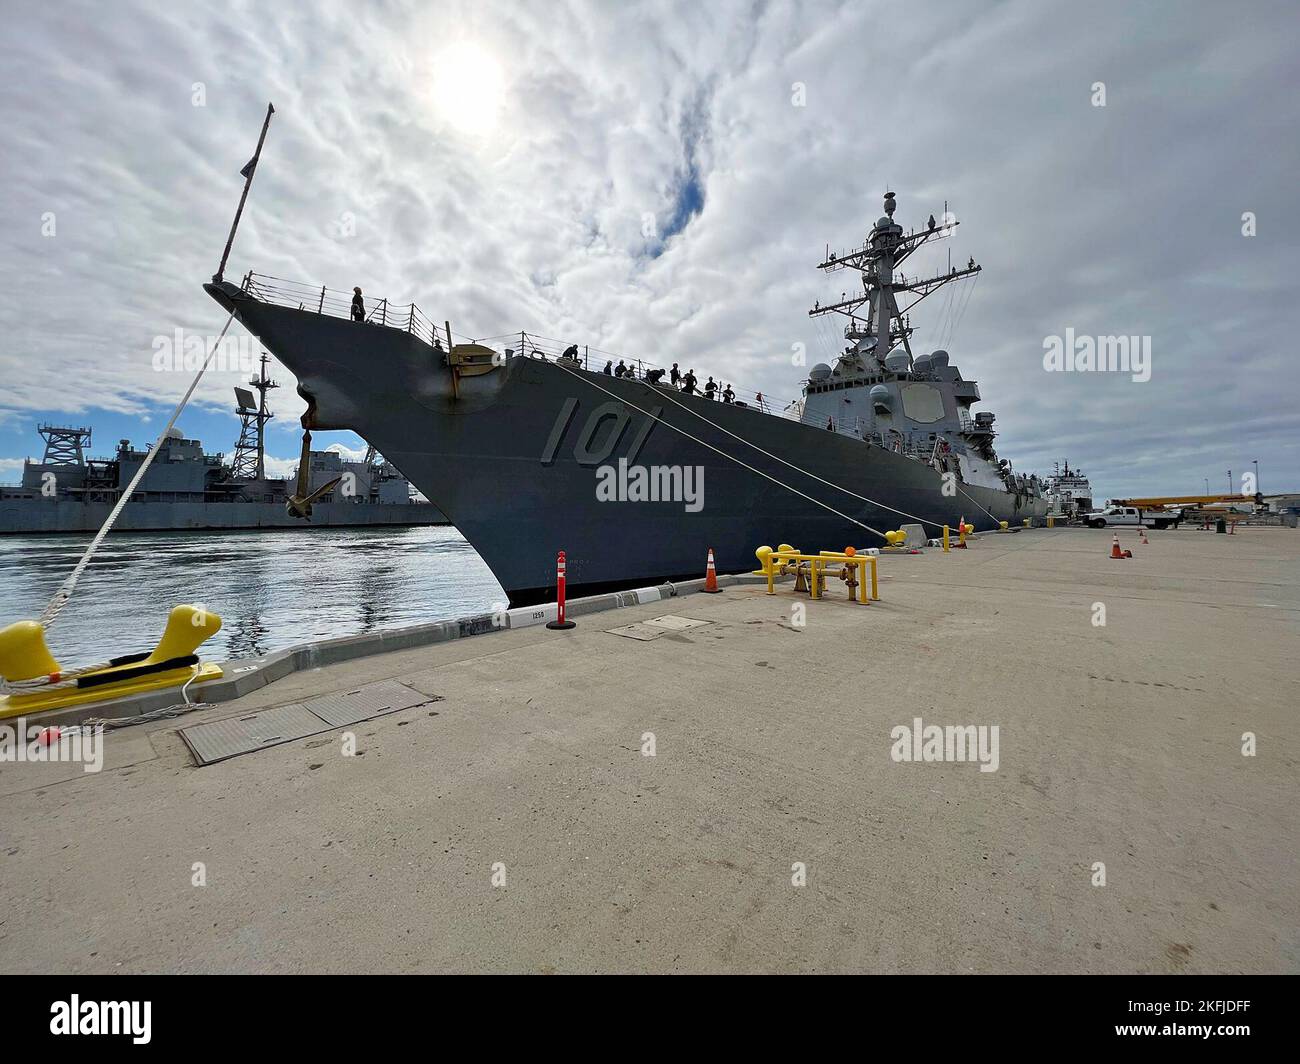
249,461
875,319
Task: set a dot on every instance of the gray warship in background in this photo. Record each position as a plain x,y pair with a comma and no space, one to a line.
186,489
1068,493
513,436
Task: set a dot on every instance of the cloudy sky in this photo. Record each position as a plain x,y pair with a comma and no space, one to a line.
661,179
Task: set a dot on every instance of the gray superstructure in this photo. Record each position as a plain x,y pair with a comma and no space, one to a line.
1068,492
514,445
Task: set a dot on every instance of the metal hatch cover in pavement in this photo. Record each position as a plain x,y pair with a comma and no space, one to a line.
653,629
223,739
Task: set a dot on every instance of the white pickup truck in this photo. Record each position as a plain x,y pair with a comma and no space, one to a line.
1132,517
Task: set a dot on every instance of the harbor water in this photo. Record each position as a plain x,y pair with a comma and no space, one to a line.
271,589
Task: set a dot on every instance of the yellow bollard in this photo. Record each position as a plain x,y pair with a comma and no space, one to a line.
768,567
23,653
1051,522
945,539
24,656
187,627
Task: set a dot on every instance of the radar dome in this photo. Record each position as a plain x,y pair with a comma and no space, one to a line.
881,396
896,362
921,364
883,222
939,359
819,372
174,433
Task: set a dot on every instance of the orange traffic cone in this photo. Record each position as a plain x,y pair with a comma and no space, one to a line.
711,577
1115,552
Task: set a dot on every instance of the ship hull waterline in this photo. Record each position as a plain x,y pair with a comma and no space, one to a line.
513,461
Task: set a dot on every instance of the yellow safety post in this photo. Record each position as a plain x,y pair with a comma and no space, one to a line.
1026,522
1003,527
1051,522
945,539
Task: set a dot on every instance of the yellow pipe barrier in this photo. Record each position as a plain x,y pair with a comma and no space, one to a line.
774,562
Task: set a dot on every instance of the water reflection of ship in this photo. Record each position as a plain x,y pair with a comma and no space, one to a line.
186,489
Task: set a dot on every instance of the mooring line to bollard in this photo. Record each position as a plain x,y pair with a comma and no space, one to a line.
64,594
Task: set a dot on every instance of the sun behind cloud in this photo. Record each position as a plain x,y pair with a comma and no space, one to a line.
468,87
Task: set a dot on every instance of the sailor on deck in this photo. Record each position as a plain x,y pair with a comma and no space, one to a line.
358,306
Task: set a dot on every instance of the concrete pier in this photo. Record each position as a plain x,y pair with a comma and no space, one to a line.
517,823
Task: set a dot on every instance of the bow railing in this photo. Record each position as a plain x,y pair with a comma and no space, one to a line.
338,304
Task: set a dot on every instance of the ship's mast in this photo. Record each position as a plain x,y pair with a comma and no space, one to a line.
64,446
874,315
250,452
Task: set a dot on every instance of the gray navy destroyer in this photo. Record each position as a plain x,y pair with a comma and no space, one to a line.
513,436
